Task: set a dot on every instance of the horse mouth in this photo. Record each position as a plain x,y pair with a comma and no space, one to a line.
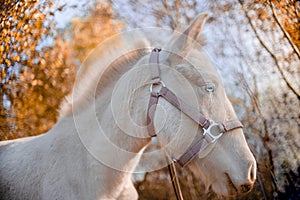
232,190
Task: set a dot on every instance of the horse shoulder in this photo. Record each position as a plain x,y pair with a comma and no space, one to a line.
17,168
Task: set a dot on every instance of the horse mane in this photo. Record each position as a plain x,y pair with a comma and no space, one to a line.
111,58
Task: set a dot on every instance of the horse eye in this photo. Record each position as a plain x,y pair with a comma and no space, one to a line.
210,87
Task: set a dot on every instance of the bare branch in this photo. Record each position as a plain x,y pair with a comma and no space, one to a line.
290,86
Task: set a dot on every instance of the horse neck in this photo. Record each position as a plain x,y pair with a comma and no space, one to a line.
122,105
100,132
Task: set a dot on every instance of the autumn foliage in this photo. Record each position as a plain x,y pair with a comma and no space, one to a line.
38,63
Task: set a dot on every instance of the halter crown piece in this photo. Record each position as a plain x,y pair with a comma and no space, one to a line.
208,126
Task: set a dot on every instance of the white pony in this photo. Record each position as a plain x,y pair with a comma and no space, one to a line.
102,132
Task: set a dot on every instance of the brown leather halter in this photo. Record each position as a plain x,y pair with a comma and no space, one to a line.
209,126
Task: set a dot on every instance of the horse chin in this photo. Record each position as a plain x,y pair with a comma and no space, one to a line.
226,188
222,186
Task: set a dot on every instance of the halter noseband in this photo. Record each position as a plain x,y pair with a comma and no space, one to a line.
207,125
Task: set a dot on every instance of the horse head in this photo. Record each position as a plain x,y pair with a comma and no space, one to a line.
226,164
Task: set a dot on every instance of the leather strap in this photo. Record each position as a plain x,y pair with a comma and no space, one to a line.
230,125
150,114
204,141
175,180
184,107
193,150
154,64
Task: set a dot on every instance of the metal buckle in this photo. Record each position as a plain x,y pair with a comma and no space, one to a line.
159,83
208,131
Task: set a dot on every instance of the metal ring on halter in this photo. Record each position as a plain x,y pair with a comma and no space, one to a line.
208,131
159,83
174,160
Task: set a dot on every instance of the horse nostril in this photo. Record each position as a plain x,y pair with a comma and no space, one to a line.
253,173
246,187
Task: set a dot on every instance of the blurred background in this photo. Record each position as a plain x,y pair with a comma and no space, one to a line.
254,44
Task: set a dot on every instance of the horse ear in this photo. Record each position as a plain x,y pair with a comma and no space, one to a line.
196,26
182,41
192,33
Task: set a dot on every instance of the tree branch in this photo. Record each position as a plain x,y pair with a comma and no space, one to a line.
286,34
289,85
